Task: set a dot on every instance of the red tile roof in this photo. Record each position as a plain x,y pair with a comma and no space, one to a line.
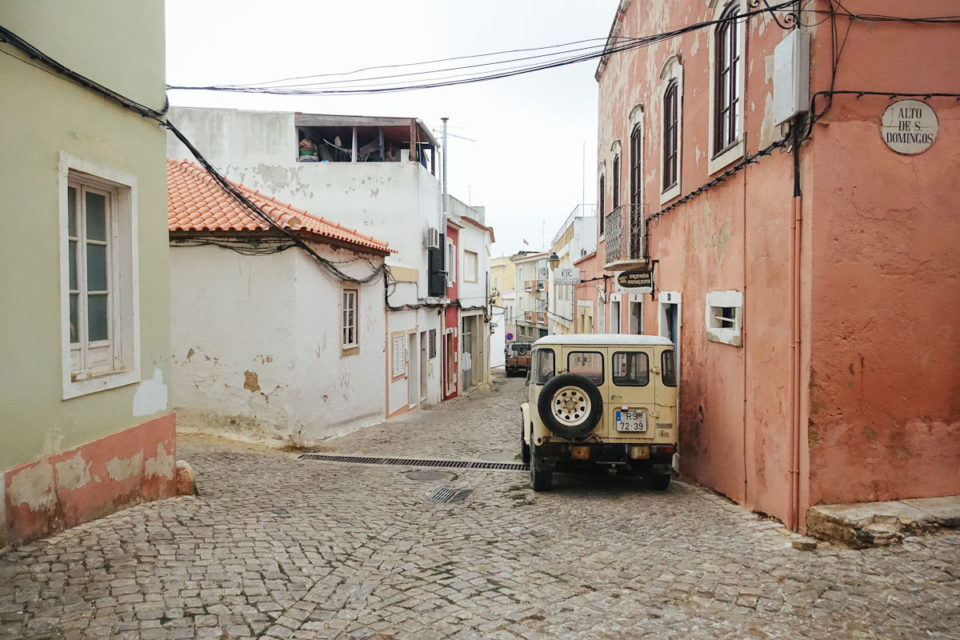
195,202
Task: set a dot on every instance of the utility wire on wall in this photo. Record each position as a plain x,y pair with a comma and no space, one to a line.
159,116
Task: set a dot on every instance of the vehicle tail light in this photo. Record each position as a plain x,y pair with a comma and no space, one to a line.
662,449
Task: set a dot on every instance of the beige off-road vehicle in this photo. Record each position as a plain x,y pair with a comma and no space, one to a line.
601,399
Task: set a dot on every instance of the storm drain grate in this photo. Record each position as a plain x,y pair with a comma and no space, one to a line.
416,462
447,495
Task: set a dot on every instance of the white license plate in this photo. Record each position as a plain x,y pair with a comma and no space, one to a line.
634,421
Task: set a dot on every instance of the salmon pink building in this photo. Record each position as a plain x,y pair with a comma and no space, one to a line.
786,179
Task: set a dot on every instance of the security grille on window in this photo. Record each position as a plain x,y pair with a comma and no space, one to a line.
727,82
433,344
98,272
349,322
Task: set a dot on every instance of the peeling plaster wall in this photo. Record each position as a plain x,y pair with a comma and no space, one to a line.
88,482
391,201
256,345
734,412
884,380
43,116
878,261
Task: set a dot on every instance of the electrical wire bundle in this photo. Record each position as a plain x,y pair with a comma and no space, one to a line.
502,64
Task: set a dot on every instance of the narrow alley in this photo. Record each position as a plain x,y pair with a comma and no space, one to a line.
277,546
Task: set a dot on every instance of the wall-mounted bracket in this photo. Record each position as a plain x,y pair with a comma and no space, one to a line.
790,12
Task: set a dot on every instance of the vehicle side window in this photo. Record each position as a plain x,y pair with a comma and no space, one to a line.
630,369
588,364
668,364
543,367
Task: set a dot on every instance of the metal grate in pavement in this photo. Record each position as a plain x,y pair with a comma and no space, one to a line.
446,495
417,462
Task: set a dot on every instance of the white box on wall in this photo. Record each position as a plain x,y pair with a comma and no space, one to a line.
791,76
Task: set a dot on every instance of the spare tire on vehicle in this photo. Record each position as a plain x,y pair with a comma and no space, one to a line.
570,406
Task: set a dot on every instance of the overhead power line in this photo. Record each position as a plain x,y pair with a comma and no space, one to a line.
568,56
543,58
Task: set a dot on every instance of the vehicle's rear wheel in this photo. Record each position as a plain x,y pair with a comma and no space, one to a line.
541,479
657,481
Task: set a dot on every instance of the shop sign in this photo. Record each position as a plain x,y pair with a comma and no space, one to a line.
566,275
909,126
637,281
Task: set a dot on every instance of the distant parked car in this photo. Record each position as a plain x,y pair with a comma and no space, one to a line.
517,358
599,399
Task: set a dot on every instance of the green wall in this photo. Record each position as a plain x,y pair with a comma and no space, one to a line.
120,45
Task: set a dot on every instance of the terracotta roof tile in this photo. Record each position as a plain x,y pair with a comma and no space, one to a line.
195,202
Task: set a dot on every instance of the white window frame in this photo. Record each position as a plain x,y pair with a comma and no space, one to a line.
672,72
451,263
353,308
735,152
722,330
471,272
121,367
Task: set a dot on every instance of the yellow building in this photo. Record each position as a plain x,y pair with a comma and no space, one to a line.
84,422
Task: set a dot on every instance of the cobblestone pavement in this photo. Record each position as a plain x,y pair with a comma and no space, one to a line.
278,547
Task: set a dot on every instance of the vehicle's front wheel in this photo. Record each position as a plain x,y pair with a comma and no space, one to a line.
541,478
524,447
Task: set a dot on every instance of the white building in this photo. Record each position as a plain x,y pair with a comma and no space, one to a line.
270,343
531,295
471,295
375,175
576,238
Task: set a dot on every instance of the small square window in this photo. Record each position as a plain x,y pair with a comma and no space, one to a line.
588,364
723,317
630,369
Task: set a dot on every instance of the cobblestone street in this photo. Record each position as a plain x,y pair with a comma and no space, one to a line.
280,547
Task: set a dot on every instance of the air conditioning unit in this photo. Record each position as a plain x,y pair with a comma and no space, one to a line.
432,238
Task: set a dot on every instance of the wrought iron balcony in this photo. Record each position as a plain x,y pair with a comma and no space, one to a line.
624,237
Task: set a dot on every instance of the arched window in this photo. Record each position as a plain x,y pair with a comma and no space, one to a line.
726,86
671,135
636,178
616,181
601,206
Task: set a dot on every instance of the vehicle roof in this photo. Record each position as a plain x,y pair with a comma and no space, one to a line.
600,339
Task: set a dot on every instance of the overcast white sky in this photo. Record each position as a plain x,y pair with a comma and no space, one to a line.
527,164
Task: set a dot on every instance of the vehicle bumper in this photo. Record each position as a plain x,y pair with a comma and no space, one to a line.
648,457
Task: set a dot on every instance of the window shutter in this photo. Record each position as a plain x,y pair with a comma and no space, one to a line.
399,356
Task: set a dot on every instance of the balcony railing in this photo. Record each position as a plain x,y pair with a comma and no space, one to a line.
624,235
